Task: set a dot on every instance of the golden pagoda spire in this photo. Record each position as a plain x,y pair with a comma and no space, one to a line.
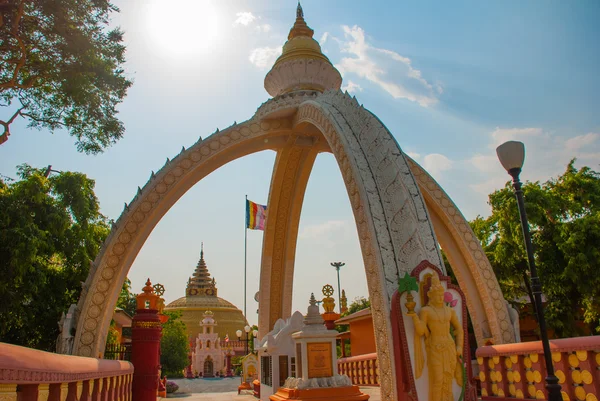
300,28
302,65
201,283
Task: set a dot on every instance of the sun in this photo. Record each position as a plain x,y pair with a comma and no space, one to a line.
183,28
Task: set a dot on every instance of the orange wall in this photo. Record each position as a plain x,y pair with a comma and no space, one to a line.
362,337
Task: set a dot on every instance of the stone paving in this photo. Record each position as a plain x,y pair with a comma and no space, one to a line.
225,389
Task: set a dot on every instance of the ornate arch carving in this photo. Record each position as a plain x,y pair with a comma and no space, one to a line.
489,314
390,214
109,270
394,227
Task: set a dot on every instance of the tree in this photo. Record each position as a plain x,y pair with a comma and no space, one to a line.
127,299
50,231
564,217
174,346
61,67
358,304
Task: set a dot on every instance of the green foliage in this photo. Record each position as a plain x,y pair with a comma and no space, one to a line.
127,299
359,303
564,218
174,346
236,363
50,231
112,337
61,66
449,270
252,339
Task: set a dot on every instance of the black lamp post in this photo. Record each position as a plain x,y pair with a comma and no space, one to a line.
512,155
247,330
337,266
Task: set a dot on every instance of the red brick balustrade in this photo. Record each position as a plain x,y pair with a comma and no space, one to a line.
362,369
31,375
518,371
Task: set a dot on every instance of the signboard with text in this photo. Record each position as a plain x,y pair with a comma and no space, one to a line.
320,362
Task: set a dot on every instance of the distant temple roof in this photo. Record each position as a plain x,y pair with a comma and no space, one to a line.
200,283
200,297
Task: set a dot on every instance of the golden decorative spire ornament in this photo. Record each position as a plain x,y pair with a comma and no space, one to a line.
300,28
302,65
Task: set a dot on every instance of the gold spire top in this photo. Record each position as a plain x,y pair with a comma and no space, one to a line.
300,28
300,43
287,75
201,283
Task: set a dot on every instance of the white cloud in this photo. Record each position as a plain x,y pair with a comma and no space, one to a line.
389,70
264,57
265,28
244,18
324,38
580,141
352,87
436,163
414,156
501,135
546,156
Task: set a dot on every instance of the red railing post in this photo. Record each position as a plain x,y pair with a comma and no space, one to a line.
146,332
86,390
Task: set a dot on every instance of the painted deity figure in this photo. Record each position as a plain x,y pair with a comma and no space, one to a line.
443,351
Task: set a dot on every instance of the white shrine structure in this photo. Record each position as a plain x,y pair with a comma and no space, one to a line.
208,357
277,355
299,361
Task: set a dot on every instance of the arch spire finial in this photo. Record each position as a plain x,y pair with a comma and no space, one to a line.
299,11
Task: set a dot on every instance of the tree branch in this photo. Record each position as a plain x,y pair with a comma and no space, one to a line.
12,83
6,126
45,120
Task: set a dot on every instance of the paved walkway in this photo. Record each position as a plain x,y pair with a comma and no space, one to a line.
226,390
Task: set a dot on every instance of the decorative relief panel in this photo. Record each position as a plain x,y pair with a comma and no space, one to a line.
392,222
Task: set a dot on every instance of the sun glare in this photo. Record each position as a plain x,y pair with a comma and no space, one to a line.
183,28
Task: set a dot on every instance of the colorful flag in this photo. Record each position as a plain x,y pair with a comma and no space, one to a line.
255,215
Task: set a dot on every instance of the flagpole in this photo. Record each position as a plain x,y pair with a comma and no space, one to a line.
245,250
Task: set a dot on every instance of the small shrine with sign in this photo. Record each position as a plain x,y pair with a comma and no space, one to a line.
316,371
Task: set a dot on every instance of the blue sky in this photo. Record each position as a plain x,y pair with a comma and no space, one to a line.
451,80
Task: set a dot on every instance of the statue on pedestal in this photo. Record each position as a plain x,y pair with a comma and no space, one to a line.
444,353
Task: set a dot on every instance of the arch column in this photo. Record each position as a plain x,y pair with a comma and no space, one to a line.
476,278
293,165
108,272
392,219
394,230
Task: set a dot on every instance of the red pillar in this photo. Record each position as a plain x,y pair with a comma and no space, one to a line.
228,372
146,331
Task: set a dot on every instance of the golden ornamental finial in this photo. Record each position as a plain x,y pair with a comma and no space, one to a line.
300,28
344,302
